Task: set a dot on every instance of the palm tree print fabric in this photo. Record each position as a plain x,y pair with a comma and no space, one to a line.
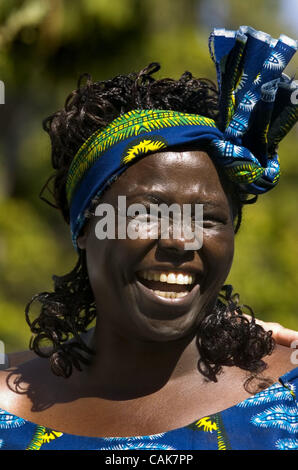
265,421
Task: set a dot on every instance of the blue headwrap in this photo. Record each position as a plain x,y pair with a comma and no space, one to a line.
258,106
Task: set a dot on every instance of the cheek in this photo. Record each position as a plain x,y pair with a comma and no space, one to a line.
95,259
110,262
218,251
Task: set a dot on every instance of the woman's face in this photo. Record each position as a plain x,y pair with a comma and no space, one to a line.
153,288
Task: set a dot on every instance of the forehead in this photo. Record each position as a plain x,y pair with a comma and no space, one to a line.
184,175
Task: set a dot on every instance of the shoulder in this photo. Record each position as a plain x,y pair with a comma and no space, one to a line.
21,386
11,399
281,361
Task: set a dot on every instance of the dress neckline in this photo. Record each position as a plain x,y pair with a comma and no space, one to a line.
282,380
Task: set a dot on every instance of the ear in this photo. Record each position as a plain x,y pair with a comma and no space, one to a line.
82,238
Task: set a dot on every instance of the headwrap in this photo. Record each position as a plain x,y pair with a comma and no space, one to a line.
258,105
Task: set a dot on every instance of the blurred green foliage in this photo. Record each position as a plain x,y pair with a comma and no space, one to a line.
44,47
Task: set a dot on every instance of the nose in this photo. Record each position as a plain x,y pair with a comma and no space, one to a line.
176,241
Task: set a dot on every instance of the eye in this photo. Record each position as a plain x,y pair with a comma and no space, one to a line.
139,216
145,218
213,220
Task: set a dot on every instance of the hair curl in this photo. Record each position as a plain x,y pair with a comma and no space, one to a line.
225,337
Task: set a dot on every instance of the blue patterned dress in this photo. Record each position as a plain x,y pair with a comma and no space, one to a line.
267,420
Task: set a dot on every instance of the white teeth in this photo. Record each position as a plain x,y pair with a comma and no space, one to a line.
169,278
170,295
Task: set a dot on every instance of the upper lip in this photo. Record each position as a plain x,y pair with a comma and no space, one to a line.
172,269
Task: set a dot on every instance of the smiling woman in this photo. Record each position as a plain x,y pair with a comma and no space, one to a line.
173,361
122,266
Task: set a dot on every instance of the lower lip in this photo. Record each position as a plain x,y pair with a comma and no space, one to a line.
155,306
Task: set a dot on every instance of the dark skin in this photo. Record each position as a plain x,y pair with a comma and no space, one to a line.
146,359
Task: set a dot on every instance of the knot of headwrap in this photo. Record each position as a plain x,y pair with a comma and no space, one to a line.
257,105
256,110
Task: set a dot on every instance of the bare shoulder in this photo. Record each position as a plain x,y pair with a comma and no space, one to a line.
9,400
20,384
280,361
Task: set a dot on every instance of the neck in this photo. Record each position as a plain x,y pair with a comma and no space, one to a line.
124,369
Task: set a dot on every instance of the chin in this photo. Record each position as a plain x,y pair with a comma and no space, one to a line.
163,330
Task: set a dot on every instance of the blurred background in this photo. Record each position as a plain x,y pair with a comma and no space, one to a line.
44,47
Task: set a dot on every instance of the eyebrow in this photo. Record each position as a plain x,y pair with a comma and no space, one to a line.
156,198
152,197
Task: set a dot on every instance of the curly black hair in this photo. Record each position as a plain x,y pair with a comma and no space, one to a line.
226,336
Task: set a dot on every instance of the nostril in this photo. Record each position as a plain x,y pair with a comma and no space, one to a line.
173,245
173,253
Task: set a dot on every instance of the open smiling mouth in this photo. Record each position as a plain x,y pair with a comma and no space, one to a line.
172,288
